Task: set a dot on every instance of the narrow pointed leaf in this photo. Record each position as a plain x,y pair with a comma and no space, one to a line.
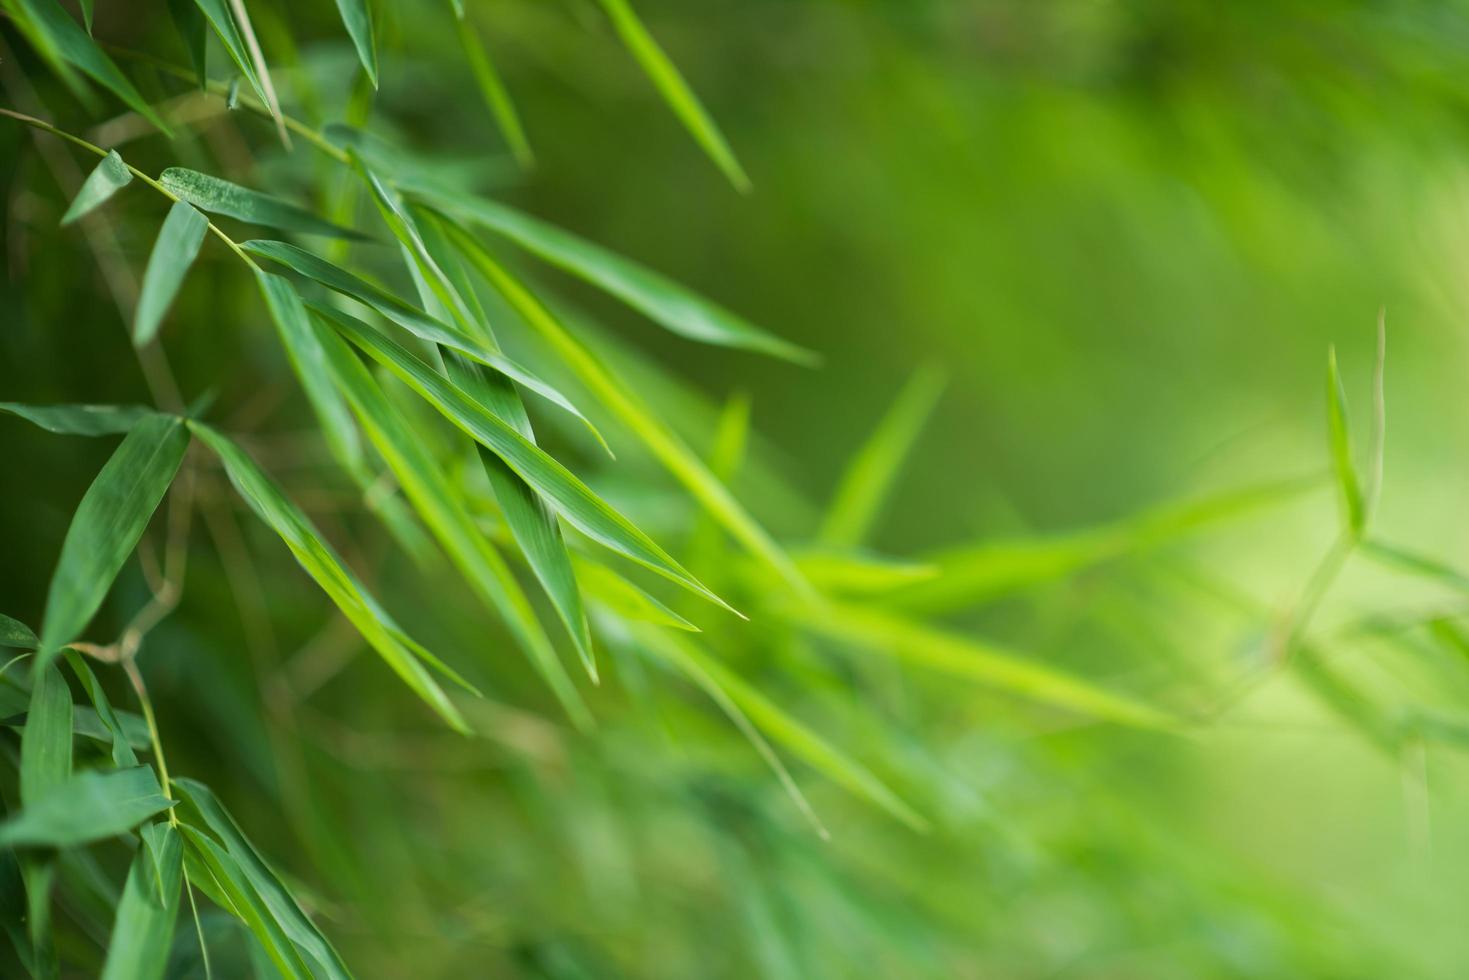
107,525
17,635
217,13
45,746
105,180
80,420
619,596
219,196
662,300
493,90
675,91
142,933
357,18
174,251
1349,487
87,10
89,806
323,565
123,756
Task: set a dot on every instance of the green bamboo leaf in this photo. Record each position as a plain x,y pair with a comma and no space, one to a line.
434,498
108,522
105,180
573,500
45,746
675,91
357,18
858,573
232,884
1349,487
15,634
177,245
619,596
219,196
274,896
80,420
309,361
89,806
217,13
986,663
493,90
870,476
1393,556
189,21
142,933
323,565
123,756
706,545
87,10
76,47
662,300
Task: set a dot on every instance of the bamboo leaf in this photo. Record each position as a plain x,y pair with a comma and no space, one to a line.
357,18
1349,488
87,807
869,479
619,596
177,245
45,746
80,420
77,48
107,525
192,27
219,196
665,76
142,933
217,13
122,751
662,300
493,90
105,180
15,634
323,565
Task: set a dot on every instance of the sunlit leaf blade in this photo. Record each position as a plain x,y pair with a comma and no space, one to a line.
686,654
77,48
142,933
106,527
683,463
986,663
45,746
357,18
122,751
870,475
435,499
493,90
859,574
675,91
80,420
105,180
309,361
323,565
17,635
1349,487
659,298
610,590
274,895
219,196
193,29
174,251
573,500
89,806
230,883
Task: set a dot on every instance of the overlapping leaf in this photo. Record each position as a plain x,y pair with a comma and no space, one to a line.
219,196
87,807
109,177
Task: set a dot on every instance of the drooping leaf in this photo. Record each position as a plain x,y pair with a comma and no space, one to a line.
174,251
1349,487
77,48
675,91
274,895
323,565
219,196
653,294
45,747
80,420
107,525
870,476
105,180
493,90
89,806
142,933
122,750
357,18
14,633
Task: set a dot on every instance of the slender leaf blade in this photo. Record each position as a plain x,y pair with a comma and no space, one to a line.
105,180
357,19
87,807
177,245
219,196
142,932
1349,487
80,420
45,746
493,90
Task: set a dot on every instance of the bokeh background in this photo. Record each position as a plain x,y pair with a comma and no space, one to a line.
1125,233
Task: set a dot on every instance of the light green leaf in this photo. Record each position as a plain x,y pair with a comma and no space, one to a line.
357,18
174,251
619,596
107,525
572,499
105,180
323,565
493,90
675,91
14,633
122,751
858,573
142,933
89,806
218,196
1349,487
874,469
274,896
81,420
45,746
77,48
653,294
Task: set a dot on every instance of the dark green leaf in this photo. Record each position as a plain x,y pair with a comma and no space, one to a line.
80,420
14,633
122,750
218,196
142,933
89,806
45,746
174,251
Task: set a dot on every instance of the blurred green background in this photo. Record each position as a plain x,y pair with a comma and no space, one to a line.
1125,232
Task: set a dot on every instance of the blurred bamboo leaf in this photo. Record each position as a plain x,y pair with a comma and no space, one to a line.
86,807
219,196
357,18
105,180
493,90
15,634
142,934
624,599
1349,487
174,251
193,29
